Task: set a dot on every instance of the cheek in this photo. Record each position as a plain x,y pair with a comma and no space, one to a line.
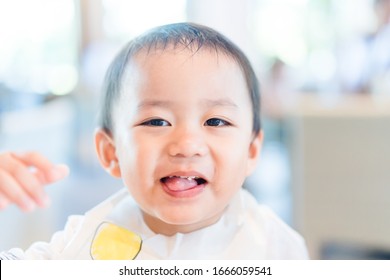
234,147
137,159
231,158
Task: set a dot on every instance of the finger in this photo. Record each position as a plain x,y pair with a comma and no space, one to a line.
28,180
12,191
31,184
33,159
45,169
3,202
58,172
6,160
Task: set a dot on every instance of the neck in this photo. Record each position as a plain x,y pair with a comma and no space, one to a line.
160,227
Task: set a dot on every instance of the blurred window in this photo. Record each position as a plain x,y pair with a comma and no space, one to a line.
304,34
38,50
123,19
292,29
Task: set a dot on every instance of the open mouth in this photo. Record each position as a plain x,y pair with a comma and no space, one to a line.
187,179
180,185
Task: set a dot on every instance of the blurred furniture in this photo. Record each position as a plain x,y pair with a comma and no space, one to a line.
340,159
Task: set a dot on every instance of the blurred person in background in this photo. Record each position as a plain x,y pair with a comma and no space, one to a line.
365,63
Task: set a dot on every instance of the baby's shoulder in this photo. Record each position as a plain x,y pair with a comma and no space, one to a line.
282,241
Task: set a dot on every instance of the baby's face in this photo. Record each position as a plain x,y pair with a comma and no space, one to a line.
183,136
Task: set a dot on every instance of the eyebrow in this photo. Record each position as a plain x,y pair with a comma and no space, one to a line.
209,103
154,103
221,102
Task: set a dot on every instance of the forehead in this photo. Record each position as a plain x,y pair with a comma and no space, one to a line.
179,68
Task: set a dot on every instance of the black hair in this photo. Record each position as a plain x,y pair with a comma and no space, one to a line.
188,35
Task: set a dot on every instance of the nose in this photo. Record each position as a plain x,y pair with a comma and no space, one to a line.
187,144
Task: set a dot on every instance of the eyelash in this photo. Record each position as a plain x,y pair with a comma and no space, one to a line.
153,122
224,123
209,122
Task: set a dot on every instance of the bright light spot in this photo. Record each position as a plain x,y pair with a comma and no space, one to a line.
35,35
62,79
280,32
134,17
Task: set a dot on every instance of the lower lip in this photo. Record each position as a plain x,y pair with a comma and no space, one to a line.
192,192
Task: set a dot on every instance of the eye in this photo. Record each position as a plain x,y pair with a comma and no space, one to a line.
156,122
216,122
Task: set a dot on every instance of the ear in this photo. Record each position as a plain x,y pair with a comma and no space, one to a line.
106,152
254,152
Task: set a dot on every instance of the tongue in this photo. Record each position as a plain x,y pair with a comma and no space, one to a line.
179,184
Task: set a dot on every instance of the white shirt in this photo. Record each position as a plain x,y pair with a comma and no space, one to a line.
246,230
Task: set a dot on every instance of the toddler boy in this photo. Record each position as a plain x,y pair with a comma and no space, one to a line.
180,124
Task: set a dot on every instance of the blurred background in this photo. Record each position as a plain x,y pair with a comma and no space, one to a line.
324,69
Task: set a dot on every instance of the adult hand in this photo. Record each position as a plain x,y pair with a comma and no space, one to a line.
23,177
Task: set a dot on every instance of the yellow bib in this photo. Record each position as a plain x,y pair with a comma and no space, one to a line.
112,242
